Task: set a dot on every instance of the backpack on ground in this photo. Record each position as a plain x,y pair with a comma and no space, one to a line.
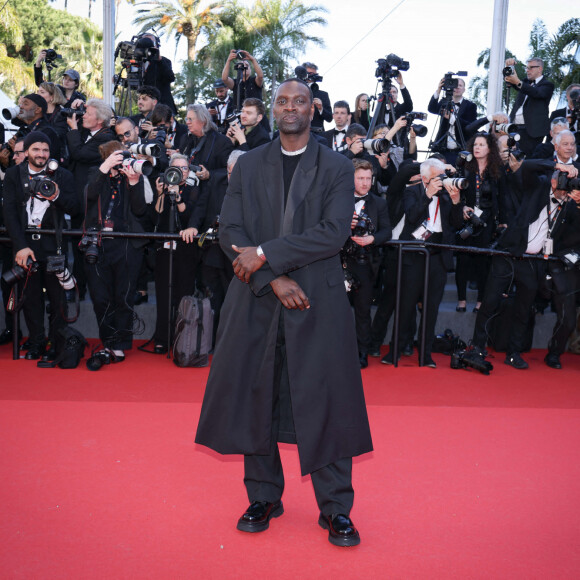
69,345
193,332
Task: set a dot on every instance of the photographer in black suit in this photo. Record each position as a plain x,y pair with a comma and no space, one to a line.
530,109
336,138
249,133
464,113
25,207
370,228
433,212
322,108
222,107
399,109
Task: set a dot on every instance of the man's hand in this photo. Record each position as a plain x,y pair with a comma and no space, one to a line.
569,169
289,293
188,235
203,173
41,58
318,104
433,186
356,146
500,118
399,79
237,133
246,263
22,257
72,122
454,193
112,161
514,163
363,240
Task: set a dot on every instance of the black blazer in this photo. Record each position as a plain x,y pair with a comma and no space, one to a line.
326,115
230,108
466,114
376,208
535,107
16,195
256,137
160,74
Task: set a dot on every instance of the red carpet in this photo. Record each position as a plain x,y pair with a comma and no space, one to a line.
471,477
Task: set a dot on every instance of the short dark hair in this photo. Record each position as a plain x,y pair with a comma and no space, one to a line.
149,91
257,103
122,119
300,81
355,130
341,105
161,114
362,164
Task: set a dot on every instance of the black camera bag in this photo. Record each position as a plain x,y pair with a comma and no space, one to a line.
70,346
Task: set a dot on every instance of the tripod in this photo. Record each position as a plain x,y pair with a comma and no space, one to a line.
380,110
130,82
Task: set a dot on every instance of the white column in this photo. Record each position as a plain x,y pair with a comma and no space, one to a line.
497,56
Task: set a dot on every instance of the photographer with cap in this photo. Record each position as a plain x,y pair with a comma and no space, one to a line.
32,117
28,205
115,202
222,107
70,81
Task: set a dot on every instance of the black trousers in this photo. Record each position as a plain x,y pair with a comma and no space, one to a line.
216,281
263,474
412,292
527,275
471,267
112,282
362,300
566,285
526,143
185,261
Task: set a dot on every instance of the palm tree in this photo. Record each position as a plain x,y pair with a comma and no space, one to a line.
179,18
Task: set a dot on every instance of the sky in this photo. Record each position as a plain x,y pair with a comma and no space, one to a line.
435,37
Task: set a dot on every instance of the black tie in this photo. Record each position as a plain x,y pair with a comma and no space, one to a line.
337,131
360,198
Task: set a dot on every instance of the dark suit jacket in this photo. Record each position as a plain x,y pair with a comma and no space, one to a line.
256,137
230,108
160,74
85,154
466,114
326,115
16,194
376,208
535,107
302,240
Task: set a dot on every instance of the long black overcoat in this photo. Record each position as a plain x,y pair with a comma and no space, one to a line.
302,241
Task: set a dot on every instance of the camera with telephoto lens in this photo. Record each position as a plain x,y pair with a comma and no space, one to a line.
465,358
100,358
57,265
302,74
69,112
505,128
376,146
473,226
89,245
51,56
139,48
234,119
458,182
463,157
240,54
391,66
513,148
566,183
139,166
10,113
149,149
450,83
420,130
17,273
172,176
192,178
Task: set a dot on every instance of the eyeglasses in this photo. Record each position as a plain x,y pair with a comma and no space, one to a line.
18,152
126,135
534,66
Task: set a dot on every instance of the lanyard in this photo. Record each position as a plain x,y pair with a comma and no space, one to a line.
436,211
115,186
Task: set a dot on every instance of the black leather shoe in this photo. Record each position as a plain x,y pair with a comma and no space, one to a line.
375,351
515,360
461,309
388,359
429,362
407,350
35,351
553,361
160,349
363,359
257,517
7,335
341,530
140,298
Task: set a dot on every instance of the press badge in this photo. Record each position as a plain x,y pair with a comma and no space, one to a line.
423,232
477,211
548,249
167,245
108,226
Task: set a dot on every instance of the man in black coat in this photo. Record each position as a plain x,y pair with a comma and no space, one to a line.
455,116
531,107
285,366
222,107
158,70
323,110
370,228
571,112
24,209
432,213
336,138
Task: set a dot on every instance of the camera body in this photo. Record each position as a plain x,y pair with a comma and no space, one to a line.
391,66
513,148
364,227
450,82
508,71
17,273
463,157
51,56
566,183
69,112
234,119
138,49
89,245
463,359
473,226
376,146
42,187
458,182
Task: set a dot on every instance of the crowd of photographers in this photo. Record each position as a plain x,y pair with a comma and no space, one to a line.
513,188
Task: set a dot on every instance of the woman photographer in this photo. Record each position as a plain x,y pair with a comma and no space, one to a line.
481,201
55,100
115,203
187,205
360,114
